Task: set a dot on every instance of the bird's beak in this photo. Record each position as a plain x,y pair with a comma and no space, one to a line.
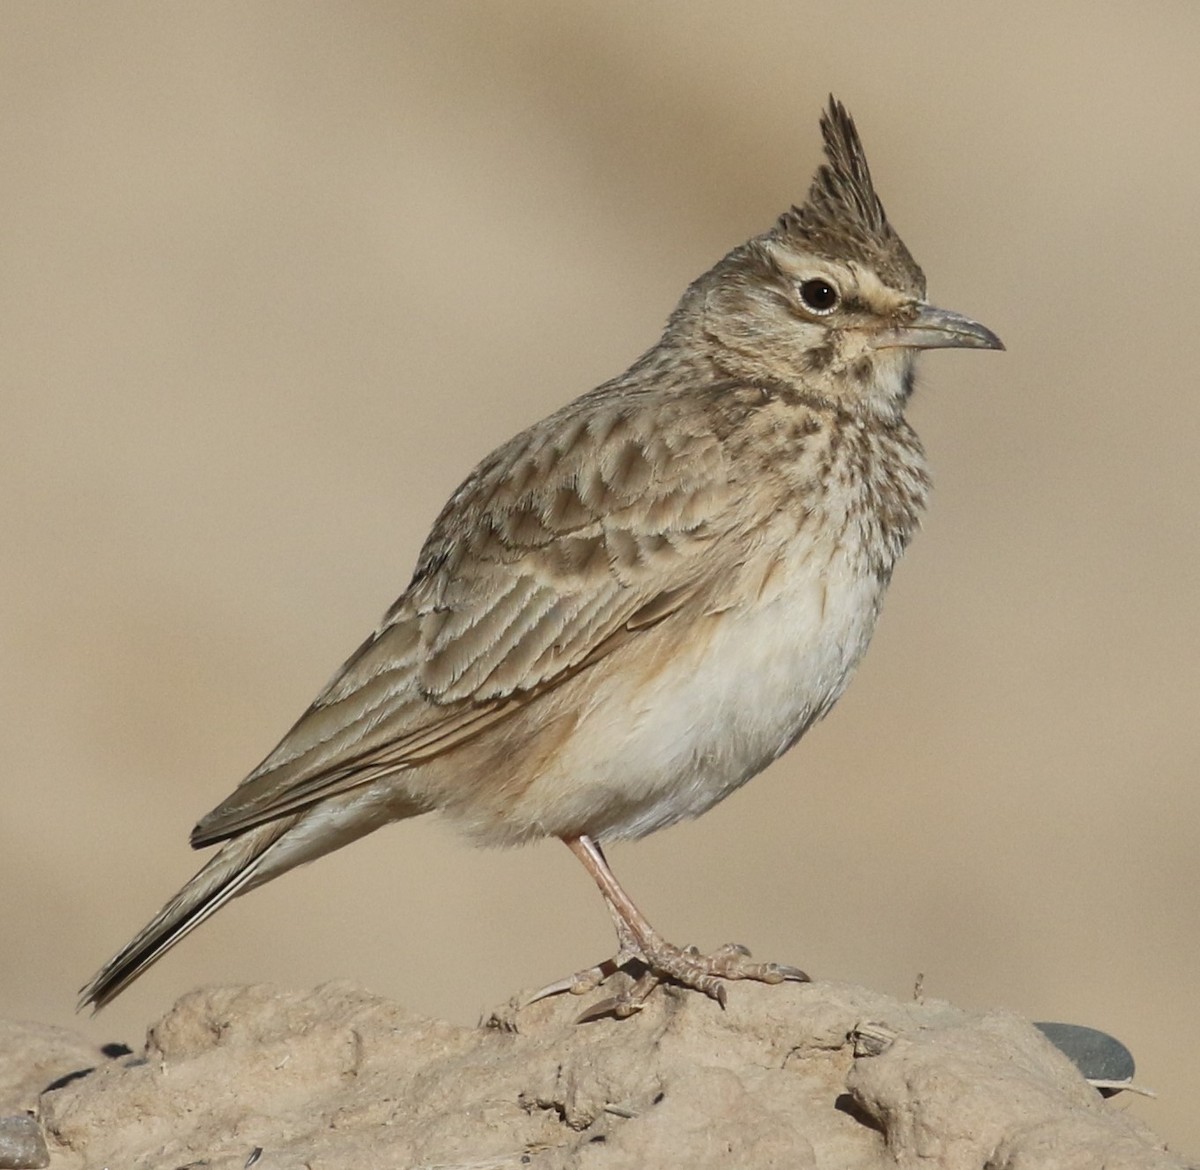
934,328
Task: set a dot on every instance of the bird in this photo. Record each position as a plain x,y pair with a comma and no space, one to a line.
636,604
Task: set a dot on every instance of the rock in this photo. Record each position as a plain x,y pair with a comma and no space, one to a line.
22,1146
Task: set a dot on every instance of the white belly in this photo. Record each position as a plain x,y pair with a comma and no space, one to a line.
644,757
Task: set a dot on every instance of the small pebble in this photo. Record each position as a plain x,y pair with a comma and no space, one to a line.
22,1146
1099,1056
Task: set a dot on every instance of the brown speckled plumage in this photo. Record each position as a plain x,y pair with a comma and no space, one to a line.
633,606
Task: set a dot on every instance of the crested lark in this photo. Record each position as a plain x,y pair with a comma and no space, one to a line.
638,603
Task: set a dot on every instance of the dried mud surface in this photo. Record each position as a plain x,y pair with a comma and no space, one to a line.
820,1075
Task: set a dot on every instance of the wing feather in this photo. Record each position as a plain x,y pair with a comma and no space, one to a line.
568,539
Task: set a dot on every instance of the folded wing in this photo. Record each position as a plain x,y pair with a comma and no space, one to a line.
561,545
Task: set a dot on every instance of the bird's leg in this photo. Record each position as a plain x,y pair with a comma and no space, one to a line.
639,943
628,951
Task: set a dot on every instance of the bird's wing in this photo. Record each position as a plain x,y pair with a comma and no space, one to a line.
563,543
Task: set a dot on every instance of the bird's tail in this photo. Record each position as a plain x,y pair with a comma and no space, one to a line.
228,873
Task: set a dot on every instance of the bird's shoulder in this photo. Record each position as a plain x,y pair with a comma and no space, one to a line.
604,482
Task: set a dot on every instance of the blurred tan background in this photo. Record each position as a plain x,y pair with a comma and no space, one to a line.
275,276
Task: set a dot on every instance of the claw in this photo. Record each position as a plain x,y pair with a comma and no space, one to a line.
730,949
788,974
628,1003
568,984
582,981
599,1011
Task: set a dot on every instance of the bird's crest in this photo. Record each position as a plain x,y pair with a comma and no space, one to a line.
843,219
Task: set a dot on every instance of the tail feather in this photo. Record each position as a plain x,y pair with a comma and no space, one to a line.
229,873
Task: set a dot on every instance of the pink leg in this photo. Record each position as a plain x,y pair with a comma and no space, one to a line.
639,943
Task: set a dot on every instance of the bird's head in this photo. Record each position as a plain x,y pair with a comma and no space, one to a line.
828,302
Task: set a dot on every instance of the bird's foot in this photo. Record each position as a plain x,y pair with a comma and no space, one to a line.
588,979
663,962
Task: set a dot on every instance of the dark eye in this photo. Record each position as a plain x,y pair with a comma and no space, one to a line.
819,295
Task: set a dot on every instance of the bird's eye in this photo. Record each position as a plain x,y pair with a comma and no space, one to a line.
819,295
